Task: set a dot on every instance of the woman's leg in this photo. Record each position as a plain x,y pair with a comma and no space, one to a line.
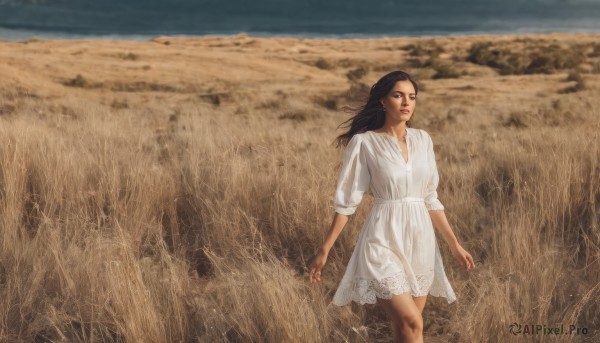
420,301
407,322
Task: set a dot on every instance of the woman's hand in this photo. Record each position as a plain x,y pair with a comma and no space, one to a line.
314,274
463,258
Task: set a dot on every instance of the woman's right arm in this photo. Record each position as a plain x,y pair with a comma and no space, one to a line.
338,224
353,181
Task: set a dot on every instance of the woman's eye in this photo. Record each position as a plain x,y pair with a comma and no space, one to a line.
399,96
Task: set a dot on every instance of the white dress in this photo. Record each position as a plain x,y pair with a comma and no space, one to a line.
397,251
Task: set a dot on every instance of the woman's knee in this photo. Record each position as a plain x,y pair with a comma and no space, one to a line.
412,322
405,315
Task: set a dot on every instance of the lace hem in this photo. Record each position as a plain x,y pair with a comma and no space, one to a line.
365,291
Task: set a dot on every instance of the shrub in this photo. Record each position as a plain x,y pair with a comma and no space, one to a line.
534,60
515,65
330,104
81,82
480,53
444,70
6,109
141,86
580,84
517,120
357,73
129,56
119,104
294,115
322,63
553,59
430,48
346,63
596,50
358,90
540,64
574,76
214,99
416,62
564,58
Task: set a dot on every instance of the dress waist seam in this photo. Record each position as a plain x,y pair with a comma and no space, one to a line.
400,200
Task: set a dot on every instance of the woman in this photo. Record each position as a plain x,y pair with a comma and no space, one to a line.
396,261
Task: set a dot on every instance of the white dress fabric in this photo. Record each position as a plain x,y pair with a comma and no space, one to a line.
397,251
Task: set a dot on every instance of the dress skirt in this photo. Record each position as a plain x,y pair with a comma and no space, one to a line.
397,252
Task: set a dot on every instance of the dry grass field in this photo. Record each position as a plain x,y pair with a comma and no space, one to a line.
175,190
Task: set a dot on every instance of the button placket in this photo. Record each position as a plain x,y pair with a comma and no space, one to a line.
408,164
408,153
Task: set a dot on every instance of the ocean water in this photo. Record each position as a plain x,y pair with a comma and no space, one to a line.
141,19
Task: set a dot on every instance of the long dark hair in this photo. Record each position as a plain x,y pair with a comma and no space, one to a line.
371,115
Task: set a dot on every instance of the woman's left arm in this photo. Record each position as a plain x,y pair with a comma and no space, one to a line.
440,222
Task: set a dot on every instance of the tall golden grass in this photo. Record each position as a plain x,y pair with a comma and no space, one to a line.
187,221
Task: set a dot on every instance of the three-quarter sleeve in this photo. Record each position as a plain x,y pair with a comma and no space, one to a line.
354,179
431,197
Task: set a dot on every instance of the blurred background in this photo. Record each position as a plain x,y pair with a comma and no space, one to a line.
309,18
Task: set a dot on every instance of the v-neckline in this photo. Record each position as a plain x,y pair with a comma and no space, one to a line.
408,157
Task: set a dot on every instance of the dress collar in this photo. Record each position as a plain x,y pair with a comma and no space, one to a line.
409,133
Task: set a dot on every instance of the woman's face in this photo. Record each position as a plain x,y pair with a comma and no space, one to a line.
400,103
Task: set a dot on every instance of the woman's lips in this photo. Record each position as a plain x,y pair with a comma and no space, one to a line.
405,111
